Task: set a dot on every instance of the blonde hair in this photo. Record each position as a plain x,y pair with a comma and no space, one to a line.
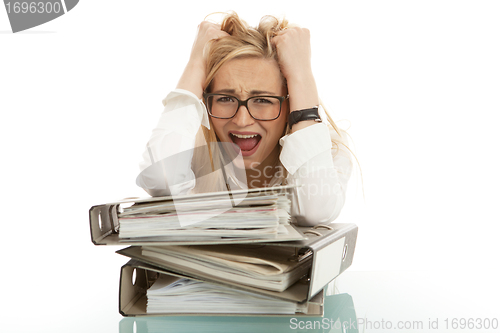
246,41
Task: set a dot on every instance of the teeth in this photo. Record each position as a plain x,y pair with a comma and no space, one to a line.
242,136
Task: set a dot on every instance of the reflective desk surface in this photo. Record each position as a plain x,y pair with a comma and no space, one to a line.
398,301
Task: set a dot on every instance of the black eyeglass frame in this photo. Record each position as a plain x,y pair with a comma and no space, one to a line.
245,104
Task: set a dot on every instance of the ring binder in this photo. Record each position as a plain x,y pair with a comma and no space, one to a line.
105,227
331,253
318,226
133,300
310,231
327,248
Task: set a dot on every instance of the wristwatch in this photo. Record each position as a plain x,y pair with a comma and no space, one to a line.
302,115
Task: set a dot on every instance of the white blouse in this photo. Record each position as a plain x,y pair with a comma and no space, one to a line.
307,155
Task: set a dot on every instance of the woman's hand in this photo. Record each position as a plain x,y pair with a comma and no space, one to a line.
294,52
195,74
206,32
294,56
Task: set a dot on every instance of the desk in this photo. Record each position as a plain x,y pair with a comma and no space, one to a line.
397,301
338,309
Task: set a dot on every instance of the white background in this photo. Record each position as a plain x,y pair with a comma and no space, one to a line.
416,82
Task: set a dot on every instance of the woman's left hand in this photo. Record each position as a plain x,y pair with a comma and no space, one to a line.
294,52
294,57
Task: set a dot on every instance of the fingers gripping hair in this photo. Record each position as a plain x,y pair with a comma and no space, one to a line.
243,41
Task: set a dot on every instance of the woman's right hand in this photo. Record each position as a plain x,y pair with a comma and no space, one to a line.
195,74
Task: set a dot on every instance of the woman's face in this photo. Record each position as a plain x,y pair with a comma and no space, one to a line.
244,78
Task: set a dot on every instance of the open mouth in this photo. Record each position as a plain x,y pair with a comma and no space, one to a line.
246,142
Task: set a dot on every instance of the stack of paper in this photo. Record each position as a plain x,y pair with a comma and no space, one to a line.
255,216
171,294
261,266
221,253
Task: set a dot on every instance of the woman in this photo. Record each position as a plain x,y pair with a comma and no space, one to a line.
248,96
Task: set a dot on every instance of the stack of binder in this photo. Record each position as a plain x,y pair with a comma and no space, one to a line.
199,255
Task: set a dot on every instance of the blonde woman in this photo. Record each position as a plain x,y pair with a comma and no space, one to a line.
250,93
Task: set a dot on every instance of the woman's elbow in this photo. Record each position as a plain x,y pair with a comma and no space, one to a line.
320,209
155,181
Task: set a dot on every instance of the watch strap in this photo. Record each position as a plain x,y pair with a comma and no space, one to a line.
302,115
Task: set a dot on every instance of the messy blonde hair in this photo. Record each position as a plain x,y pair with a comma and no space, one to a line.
246,41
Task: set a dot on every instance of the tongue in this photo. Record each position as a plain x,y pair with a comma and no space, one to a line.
246,144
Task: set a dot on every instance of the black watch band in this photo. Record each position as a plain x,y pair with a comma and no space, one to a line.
301,115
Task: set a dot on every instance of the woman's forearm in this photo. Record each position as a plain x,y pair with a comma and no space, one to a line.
193,78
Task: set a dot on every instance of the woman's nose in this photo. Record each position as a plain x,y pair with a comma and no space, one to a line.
242,118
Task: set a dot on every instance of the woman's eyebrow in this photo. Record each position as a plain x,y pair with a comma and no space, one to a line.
225,91
262,92
252,92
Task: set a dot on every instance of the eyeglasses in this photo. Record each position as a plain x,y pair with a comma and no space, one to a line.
260,107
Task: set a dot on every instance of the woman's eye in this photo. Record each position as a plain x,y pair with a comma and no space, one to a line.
224,99
262,101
